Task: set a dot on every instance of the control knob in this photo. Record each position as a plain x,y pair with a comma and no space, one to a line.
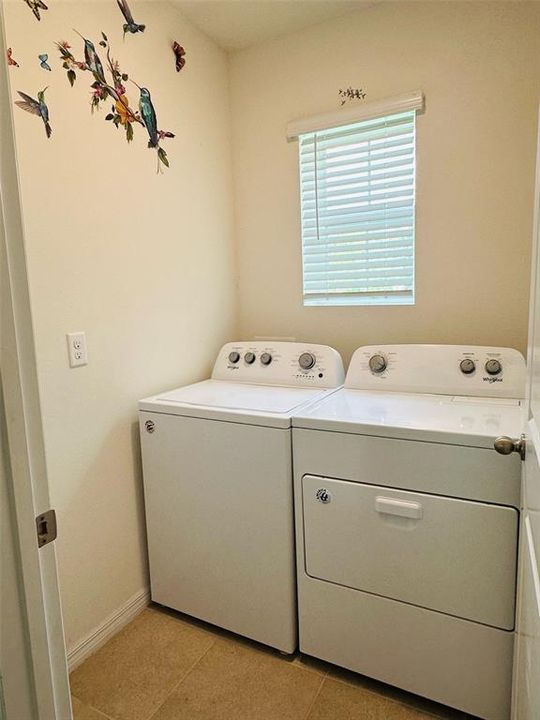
234,357
377,364
249,357
493,367
266,358
306,361
467,366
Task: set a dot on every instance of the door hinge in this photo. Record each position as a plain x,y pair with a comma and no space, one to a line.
46,528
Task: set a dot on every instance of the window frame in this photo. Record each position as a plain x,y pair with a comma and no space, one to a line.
401,110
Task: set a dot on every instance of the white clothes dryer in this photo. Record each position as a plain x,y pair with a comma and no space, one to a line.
217,467
407,521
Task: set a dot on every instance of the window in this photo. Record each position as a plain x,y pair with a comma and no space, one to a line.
357,193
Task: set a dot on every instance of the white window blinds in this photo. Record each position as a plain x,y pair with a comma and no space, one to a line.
357,191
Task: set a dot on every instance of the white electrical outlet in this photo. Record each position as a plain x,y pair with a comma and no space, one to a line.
77,349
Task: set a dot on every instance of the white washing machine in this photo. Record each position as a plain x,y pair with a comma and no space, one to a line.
217,467
407,521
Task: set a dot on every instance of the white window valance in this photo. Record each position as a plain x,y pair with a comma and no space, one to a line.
362,111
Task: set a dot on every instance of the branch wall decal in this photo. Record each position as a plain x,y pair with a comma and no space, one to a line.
122,114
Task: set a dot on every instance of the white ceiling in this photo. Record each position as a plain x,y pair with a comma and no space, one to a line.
237,24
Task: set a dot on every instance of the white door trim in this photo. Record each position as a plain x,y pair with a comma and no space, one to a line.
520,690
25,434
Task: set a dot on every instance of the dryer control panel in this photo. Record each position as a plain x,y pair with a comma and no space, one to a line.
280,363
467,370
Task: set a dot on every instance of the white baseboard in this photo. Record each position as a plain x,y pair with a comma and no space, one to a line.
109,627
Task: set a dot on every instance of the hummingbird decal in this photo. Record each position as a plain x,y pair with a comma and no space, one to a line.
130,26
148,115
35,6
92,60
36,107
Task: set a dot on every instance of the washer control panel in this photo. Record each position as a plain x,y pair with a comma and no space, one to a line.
280,363
441,369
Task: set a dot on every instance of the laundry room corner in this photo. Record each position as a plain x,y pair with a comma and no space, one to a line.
141,262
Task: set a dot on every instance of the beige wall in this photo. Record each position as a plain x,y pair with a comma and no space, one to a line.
479,67
143,263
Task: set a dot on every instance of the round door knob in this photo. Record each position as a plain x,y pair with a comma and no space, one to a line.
505,445
266,358
493,367
467,366
234,357
249,357
377,363
306,361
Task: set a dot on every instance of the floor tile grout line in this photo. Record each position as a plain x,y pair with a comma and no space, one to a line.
298,666
184,676
99,712
312,703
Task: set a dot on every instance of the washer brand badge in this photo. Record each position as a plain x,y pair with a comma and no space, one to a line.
150,426
323,495
492,380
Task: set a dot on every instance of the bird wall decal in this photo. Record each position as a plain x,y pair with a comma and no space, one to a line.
36,107
130,26
35,6
92,60
148,114
149,117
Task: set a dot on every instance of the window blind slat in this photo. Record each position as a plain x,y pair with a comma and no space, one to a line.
371,178
361,151
353,211
357,192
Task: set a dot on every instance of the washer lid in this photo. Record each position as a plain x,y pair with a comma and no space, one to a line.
235,402
433,418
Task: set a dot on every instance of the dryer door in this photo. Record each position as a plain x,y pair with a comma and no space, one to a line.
454,556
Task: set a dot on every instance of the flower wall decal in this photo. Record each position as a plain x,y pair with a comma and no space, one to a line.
351,94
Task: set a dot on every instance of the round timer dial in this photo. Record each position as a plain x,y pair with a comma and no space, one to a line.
493,367
377,364
306,361
467,366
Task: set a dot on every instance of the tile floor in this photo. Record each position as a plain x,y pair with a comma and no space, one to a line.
165,666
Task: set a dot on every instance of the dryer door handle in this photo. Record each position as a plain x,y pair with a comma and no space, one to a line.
402,508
